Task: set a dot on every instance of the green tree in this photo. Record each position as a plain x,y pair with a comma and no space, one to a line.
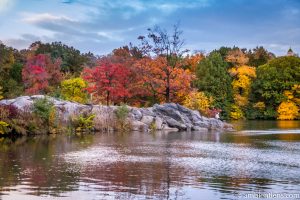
72,59
273,79
214,80
72,90
259,56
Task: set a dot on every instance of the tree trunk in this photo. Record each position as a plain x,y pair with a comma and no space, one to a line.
168,89
107,98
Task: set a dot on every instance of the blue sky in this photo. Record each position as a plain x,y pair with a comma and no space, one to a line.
100,26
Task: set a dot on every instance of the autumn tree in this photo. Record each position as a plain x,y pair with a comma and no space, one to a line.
287,110
7,60
243,76
273,80
72,60
73,90
107,82
45,73
198,101
259,56
192,61
35,79
167,50
157,78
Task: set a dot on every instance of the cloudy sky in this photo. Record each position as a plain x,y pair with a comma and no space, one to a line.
102,25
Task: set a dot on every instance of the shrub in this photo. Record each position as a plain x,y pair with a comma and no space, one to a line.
105,120
4,128
42,108
1,97
236,113
122,122
287,110
83,122
29,123
10,110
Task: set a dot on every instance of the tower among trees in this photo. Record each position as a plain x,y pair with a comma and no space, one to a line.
290,52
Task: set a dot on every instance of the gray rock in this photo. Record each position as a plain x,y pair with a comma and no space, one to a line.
22,102
172,129
147,111
139,126
147,120
159,123
175,124
169,116
137,114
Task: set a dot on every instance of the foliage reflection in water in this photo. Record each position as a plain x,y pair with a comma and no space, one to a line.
260,156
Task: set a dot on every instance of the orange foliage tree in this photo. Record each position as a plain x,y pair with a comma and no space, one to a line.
162,67
162,81
192,61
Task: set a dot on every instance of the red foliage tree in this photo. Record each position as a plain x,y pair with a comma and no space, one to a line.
35,79
40,72
108,82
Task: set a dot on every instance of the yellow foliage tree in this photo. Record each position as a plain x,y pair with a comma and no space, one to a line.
242,79
72,90
198,101
287,110
236,113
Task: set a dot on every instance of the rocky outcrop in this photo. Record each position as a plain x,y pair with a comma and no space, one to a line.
169,116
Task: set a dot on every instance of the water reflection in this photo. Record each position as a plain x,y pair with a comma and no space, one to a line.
184,165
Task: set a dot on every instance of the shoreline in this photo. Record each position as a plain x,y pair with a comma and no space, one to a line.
168,116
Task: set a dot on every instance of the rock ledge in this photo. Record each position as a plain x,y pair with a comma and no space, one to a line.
169,116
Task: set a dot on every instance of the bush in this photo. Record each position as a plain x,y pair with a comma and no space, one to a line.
83,122
122,122
287,110
1,97
236,113
7,114
4,128
42,108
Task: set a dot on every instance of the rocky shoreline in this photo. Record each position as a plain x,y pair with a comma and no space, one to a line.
168,116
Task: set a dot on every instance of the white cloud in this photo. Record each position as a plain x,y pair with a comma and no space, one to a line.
6,5
35,18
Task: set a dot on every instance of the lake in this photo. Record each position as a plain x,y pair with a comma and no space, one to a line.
261,157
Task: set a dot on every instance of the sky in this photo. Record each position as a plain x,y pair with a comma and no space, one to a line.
100,26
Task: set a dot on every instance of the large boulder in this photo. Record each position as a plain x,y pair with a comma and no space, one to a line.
169,116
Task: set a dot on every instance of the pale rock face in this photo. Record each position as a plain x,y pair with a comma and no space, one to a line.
169,116
159,123
147,119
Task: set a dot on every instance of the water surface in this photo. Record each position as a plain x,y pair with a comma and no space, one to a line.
261,156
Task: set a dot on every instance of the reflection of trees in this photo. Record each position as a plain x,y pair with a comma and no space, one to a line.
227,184
32,160
288,124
